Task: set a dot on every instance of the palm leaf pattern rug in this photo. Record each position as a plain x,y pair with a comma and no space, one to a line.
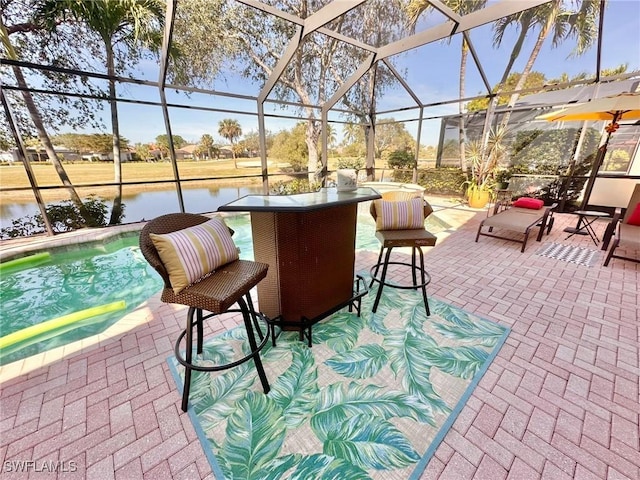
371,399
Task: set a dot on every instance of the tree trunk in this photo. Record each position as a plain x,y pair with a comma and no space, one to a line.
525,73
312,137
515,53
461,132
369,141
233,154
46,141
116,210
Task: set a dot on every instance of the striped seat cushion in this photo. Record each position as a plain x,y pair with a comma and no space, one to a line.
399,215
191,253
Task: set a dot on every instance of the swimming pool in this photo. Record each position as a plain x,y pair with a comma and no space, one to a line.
82,277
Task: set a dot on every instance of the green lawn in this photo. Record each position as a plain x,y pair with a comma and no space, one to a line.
86,173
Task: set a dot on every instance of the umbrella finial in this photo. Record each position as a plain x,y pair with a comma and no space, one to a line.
612,127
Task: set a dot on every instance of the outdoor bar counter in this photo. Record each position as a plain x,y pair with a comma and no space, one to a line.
308,241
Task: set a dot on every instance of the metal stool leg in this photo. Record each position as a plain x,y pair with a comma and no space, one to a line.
413,266
424,281
246,315
382,278
375,274
188,356
254,317
200,327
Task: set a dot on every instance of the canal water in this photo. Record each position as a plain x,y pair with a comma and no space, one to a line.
147,205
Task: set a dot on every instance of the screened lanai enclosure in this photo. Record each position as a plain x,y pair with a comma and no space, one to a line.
186,103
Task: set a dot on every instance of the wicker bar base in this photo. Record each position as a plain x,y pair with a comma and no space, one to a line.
311,263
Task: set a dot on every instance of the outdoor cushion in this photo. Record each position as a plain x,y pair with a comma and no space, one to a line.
634,219
191,253
399,215
527,202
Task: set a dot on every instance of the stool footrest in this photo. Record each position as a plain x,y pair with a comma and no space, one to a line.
395,285
217,368
306,324
415,269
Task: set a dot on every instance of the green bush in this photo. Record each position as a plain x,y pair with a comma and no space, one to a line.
294,186
64,217
352,162
400,159
546,152
436,181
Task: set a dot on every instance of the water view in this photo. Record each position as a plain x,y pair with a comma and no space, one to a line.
147,205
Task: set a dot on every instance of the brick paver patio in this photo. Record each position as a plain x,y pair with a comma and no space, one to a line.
560,401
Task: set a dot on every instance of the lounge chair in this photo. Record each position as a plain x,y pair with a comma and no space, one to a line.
521,217
627,230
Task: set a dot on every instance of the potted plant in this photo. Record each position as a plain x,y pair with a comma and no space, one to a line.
484,165
502,179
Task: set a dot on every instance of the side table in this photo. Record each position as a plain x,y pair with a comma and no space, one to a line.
585,222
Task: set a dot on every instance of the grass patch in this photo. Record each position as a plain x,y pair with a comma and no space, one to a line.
89,173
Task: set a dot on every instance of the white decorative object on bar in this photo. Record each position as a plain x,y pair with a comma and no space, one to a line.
347,179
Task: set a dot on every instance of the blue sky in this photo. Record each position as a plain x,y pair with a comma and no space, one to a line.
431,71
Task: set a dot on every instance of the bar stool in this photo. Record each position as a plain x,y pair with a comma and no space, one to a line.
214,291
403,227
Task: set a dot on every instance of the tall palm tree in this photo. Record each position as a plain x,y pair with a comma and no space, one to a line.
36,118
551,17
462,7
230,129
130,24
207,143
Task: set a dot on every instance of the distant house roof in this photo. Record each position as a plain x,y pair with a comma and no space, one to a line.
188,148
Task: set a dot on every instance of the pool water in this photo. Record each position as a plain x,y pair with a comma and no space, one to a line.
71,281
93,275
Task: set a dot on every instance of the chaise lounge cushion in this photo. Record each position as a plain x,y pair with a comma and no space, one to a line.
634,218
629,236
527,202
518,220
191,253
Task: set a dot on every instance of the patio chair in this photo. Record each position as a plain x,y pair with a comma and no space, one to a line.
198,262
523,215
626,231
401,225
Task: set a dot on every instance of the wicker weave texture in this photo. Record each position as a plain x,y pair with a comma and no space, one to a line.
215,292
406,238
168,223
218,291
311,257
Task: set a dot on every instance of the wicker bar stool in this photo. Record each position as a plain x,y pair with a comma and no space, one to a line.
396,235
215,292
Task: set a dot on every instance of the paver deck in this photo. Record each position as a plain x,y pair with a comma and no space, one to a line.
560,401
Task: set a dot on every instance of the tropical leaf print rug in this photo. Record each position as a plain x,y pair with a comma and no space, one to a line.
372,398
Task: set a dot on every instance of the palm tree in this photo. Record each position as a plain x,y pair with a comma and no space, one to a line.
43,137
132,24
462,7
551,17
230,129
353,132
206,142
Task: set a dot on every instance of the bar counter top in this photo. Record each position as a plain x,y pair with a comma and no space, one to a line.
301,202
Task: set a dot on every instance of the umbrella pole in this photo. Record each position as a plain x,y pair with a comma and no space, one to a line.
612,127
597,163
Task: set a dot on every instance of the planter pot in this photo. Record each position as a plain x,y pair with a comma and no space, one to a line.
479,198
347,180
503,185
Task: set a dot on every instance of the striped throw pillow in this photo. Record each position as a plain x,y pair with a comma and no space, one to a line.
191,253
399,215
